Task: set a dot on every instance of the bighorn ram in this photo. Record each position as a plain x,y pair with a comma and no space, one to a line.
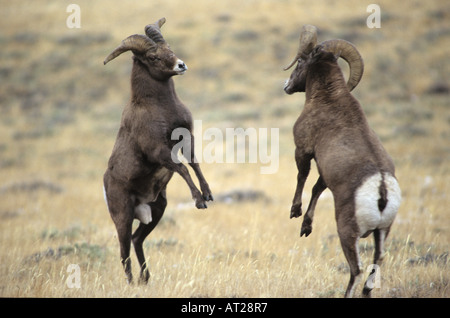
351,160
141,162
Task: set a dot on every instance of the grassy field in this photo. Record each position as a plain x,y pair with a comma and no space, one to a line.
60,111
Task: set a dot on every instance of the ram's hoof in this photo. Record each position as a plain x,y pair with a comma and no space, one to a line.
306,230
208,197
296,211
306,226
201,205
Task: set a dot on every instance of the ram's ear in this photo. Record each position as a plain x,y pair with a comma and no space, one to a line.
317,53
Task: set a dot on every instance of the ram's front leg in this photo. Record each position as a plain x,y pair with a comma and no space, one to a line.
207,195
196,194
303,165
318,188
165,158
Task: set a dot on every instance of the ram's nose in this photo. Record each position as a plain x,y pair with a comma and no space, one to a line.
287,87
180,67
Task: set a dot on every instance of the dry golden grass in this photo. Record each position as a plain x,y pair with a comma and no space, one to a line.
61,109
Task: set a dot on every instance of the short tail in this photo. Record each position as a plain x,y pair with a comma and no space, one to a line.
382,201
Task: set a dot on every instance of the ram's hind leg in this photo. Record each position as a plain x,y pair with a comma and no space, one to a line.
379,238
350,248
144,230
318,188
349,237
121,209
122,216
124,235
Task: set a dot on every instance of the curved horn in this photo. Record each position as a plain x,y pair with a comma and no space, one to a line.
350,54
153,31
308,40
137,43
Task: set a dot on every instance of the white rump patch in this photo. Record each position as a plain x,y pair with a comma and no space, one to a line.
368,216
143,213
104,197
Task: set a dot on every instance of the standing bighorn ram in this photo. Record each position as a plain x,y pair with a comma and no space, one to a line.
351,160
141,162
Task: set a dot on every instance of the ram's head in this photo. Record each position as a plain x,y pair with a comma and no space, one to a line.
153,51
309,53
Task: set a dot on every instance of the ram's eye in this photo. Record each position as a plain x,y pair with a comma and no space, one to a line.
154,58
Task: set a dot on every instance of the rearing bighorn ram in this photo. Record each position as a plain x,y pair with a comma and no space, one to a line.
351,160
141,162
